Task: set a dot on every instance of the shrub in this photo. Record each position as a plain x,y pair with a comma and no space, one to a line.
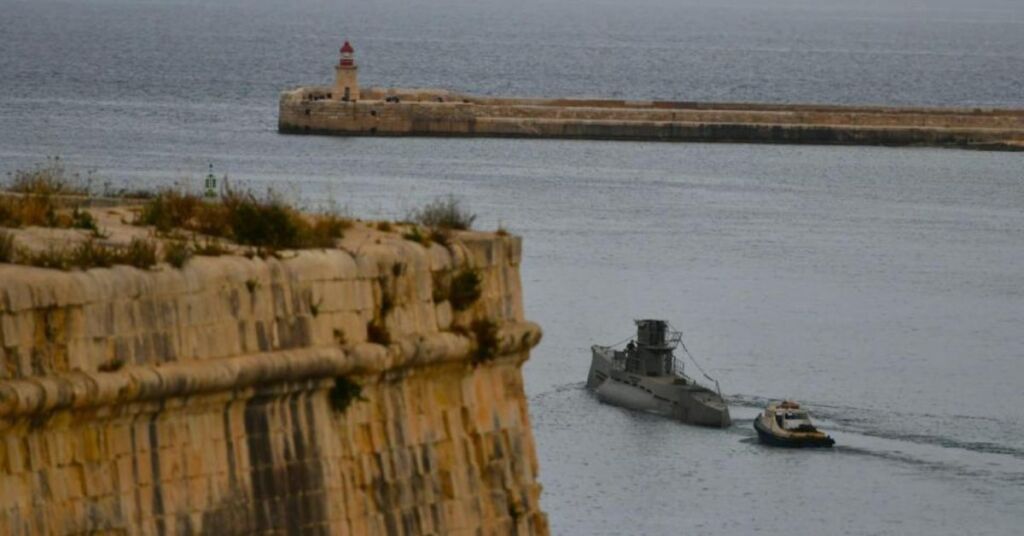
464,290
444,213
268,223
262,223
47,180
169,209
273,224
343,393
325,230
415,235
83,219
140,254
52,257
37,203
177,253
42,210
16,211
384,226
90,254
213,219
485,333
441,236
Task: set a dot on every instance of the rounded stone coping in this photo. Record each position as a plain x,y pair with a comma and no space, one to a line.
79,390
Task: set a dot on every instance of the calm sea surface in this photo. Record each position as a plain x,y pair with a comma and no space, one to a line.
882,287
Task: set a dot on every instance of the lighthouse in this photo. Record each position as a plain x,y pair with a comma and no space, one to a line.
346,84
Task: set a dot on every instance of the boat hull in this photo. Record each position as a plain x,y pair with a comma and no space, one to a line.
680,399
768,437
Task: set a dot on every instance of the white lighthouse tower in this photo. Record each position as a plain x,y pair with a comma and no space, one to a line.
346,83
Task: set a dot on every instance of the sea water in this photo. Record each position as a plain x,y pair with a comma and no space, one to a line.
883,288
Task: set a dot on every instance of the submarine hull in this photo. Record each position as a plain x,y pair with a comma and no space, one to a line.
674,396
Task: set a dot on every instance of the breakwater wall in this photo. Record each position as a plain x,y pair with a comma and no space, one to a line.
330,391
396,112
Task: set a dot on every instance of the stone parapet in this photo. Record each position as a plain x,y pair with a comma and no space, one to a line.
245,395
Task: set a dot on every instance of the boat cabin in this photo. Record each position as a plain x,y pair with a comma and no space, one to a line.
793,419
789,416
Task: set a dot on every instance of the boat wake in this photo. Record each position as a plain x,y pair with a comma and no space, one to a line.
899,425
907,438
977,450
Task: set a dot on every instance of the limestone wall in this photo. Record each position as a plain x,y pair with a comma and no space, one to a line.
241,396
438,113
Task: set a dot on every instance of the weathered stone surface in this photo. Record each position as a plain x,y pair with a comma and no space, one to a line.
441,113
217,398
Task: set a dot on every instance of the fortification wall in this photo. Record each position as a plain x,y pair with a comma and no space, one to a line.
438,113
241,396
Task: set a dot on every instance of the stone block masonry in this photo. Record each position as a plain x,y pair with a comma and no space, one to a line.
252,396
407,112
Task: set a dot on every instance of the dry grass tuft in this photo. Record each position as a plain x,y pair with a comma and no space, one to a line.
416,235
267,223
91,254
170,209
177,253
48,179
37,197
444,213
44,196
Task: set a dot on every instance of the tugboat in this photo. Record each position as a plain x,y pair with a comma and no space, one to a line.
646,376
784,424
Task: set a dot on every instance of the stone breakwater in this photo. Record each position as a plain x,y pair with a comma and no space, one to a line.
398,112
244,395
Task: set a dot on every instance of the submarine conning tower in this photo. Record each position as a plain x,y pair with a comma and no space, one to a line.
653,353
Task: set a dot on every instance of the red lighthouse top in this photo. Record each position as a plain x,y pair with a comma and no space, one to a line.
346,56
